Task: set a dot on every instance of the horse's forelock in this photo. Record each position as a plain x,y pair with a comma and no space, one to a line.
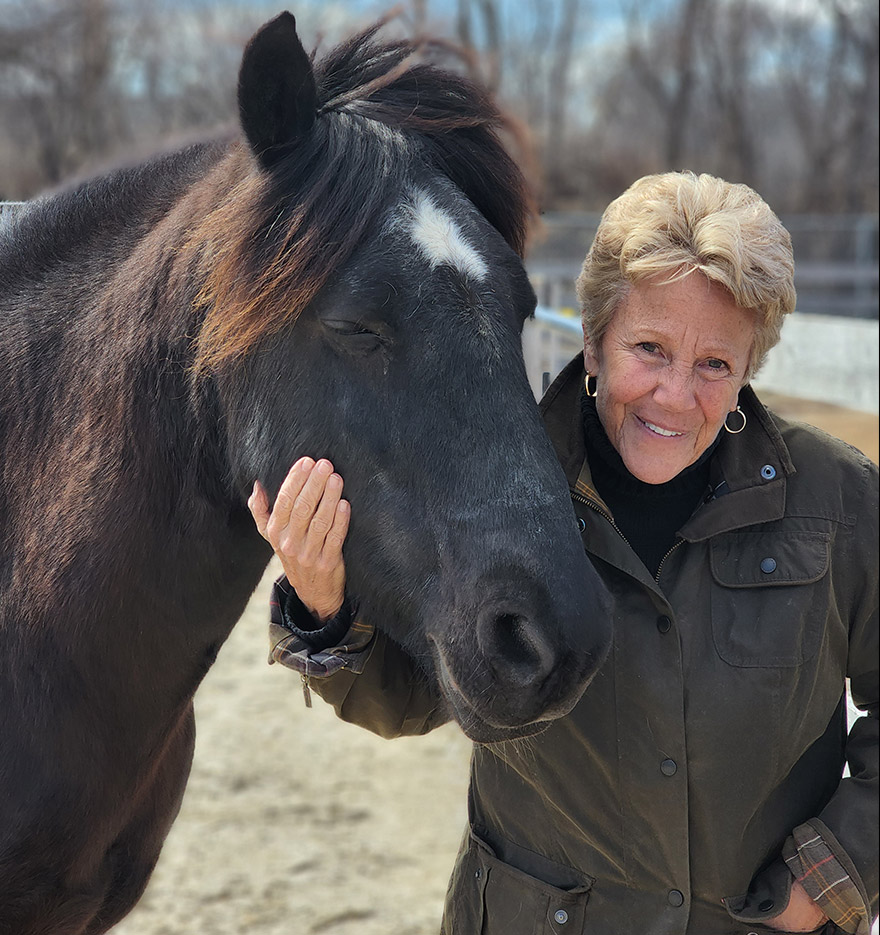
271,245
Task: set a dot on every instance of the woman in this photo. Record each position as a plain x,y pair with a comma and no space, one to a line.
696,787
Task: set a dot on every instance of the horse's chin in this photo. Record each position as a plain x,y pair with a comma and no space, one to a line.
474,726
486,734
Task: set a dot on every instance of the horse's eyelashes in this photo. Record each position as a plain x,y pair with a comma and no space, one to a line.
348,328
354,337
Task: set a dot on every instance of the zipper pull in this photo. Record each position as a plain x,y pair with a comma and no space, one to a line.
307,692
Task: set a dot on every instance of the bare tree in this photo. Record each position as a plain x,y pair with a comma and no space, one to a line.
669,80
481,17
745,89
733,42
829,80
559,87
55,70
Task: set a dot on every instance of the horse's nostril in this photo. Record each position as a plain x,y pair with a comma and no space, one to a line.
513,641
514,647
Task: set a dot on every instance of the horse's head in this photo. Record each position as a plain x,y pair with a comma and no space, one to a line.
373,260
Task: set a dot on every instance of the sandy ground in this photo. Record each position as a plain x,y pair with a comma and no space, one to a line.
297,824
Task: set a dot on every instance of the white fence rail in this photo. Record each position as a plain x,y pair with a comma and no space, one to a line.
8,208
550,340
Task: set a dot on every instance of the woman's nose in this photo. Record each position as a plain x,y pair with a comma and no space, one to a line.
675,388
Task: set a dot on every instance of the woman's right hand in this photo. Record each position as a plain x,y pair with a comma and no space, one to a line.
306,528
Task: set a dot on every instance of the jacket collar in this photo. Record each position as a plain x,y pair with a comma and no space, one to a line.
749,470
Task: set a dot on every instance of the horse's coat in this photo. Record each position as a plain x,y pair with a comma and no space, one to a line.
172,331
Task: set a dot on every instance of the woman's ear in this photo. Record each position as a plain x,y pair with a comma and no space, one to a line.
591,359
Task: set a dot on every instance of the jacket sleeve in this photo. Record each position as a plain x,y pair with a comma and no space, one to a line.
367,678
849,823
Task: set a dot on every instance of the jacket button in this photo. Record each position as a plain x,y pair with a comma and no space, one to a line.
664,624
675,898
560,916
766,905
768,472
669,767
768,565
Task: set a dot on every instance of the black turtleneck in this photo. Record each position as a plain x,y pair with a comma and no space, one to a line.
648,515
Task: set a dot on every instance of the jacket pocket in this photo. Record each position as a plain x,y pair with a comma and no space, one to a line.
491,897
769,596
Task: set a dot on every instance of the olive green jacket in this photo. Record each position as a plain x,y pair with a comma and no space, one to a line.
717,726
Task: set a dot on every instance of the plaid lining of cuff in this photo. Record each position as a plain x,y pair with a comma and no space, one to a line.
291,652
294,653
826,882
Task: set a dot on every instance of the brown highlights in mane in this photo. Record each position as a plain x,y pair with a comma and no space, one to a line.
275,239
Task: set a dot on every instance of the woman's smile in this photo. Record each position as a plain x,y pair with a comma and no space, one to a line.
657,430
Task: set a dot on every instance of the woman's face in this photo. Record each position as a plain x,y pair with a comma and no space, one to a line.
669,369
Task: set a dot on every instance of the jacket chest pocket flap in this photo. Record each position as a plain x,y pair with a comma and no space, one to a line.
769,596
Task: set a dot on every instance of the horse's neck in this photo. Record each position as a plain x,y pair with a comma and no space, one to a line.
168,600
125,559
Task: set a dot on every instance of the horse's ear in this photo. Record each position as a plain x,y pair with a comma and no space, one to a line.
277,99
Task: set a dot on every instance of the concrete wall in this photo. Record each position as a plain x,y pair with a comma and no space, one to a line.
824,357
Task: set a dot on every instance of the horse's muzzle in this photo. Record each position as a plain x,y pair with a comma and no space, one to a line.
521,664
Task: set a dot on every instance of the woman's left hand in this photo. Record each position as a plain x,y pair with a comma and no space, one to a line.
801,914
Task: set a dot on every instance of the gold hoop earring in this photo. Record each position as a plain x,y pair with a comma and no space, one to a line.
595,392
727,428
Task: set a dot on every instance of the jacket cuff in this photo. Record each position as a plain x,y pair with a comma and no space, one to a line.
816,867
306,650
295,616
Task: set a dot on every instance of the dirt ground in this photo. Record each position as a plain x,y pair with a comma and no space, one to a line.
295,823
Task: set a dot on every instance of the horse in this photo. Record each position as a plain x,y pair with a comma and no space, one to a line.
339,275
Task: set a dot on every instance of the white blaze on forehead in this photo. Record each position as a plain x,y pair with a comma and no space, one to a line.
440,239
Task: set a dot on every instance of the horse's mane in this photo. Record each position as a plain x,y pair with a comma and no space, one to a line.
273,242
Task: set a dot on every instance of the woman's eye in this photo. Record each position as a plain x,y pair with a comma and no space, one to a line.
649,347
715,364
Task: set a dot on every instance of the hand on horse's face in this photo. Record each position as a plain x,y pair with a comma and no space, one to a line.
306,528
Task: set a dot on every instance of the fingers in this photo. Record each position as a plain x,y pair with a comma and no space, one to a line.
321,521
306,528
288,493
258,504
309,516
335,539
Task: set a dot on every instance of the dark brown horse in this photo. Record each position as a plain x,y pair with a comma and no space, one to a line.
340,279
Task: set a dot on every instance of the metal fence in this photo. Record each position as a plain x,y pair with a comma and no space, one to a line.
836,261
836,269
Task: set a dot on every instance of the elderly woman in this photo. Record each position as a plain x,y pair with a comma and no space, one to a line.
697,786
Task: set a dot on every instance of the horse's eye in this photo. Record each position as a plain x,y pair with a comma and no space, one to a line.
347,327
353,336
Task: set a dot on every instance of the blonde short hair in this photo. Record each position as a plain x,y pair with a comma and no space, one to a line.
674,224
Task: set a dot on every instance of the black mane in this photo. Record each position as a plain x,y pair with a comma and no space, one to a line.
454,118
